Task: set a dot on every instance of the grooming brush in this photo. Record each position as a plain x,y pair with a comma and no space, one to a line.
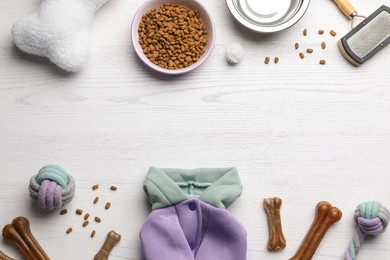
368,37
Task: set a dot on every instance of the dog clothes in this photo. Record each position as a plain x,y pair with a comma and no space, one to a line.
189,219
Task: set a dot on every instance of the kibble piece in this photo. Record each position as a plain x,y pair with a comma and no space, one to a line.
266,61
95,187
322,62
276,60
108,205
333,33
296,46
321,31
63,212
85,223
93,233
98,220
86,216
114,187
309,50
323,45
305,32
69,230
79,211
96,200
302,55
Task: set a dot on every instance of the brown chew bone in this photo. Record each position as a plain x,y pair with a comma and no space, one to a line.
4,256
112,239
19,232
326,215
276,240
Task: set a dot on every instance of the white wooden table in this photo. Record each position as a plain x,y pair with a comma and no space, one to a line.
297,130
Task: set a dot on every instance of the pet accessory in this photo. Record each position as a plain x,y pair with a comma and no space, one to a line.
268,16
326,215
19,232
58,30
372,219
205,15
234,53
112,239
52,187
4,256
276,240
189,219
368,37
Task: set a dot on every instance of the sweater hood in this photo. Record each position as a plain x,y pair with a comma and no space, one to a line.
219,187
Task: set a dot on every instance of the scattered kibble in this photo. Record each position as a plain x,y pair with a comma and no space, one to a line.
305,32
302,55
309,50
172,36
333,33
296,46
87,215
322,62
321,31
267,59
323,45
276,60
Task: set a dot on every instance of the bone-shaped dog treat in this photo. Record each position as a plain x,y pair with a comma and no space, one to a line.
58,30
276,240
19,232
326,215
112,239
4,256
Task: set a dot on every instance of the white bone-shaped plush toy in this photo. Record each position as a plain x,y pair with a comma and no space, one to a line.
58,30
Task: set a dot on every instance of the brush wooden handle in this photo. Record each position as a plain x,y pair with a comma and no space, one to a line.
346,7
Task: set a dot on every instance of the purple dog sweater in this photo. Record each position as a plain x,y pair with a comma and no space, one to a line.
192,228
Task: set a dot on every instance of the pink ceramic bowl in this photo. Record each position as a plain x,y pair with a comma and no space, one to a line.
193,4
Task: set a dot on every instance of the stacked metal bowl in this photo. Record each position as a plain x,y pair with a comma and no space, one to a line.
268,16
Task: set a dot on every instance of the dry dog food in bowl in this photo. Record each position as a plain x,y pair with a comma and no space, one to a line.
173,37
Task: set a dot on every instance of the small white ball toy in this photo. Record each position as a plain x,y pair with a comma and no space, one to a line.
58,30
234,53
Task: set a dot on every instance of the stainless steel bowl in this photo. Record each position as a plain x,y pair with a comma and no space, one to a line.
268,16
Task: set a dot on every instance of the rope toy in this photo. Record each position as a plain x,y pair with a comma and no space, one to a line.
52,187
234,53
372,219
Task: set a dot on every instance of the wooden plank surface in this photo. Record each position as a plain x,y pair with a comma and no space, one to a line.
296,130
